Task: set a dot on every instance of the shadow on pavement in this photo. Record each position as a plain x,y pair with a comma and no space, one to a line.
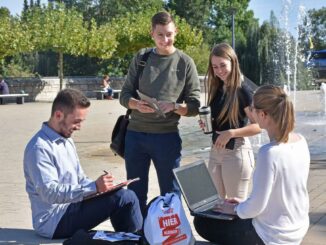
24,237
318,163
316,217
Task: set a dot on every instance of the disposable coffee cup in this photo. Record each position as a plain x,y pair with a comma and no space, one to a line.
205,117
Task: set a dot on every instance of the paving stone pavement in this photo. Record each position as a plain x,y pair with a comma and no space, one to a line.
18,123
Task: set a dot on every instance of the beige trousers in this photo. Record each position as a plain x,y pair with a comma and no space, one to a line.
231,170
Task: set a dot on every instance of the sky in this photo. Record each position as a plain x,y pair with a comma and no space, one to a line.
261,8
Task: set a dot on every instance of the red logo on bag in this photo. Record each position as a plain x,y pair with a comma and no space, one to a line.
169,221
169,226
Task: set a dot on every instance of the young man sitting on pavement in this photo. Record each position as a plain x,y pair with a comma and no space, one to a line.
57,186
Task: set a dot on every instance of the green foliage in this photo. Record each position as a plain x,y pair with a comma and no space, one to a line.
248,53
4,12
221,20
133,33
57,29
200,55
195,12
102,36
318,32
304,77
103,11
187,35
101,41
12,37
14,69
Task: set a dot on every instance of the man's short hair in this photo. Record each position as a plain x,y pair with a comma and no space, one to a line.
161,18
67,100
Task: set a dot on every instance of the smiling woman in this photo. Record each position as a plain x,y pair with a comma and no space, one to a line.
231,158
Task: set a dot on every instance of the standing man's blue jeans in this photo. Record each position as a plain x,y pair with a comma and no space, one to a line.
164,150
121,206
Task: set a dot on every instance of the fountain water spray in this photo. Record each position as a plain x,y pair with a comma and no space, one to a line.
323,96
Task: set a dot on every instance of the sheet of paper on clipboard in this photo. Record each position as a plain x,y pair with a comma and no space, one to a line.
114,188
152,103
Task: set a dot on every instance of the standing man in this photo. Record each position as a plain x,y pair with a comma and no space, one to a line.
57,186
171,77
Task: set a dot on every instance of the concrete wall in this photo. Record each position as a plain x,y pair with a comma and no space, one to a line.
46,88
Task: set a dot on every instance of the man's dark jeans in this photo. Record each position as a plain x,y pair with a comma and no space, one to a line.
121,206
165,152
226,232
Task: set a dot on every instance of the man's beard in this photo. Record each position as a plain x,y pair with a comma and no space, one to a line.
64,130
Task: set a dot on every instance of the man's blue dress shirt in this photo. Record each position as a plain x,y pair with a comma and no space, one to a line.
54,178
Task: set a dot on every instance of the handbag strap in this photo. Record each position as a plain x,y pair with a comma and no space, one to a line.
141,66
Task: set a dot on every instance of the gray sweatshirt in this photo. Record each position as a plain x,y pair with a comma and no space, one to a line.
170,78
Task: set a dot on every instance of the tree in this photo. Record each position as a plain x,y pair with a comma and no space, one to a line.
4,12
195,12
271,53
103,11
133,33
13,38
101,40
248,53
58,30
63,31
318,27
220,20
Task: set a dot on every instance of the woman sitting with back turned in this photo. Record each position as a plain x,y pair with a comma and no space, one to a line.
276,211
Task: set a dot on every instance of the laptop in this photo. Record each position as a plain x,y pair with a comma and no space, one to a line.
198,190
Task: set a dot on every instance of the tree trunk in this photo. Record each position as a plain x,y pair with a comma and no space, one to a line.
60,66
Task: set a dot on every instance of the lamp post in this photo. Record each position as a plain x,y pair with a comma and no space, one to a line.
233,11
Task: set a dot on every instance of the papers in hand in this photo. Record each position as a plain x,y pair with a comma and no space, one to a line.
115,187
152,102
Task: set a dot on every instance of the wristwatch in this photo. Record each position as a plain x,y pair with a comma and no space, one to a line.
176,106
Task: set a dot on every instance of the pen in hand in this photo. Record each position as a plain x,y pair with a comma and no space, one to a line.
106,172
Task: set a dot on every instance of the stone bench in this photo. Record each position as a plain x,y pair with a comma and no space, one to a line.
20,98
100,94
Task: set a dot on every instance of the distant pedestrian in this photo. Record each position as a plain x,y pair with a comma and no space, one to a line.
4,89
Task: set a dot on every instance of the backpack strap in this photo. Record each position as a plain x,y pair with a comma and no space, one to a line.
141,66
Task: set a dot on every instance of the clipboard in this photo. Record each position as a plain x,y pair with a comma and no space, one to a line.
153,103
114,188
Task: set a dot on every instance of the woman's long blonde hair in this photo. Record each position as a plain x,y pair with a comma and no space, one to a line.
275,102
230,111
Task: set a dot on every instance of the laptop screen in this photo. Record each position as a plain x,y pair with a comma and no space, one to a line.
196,184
